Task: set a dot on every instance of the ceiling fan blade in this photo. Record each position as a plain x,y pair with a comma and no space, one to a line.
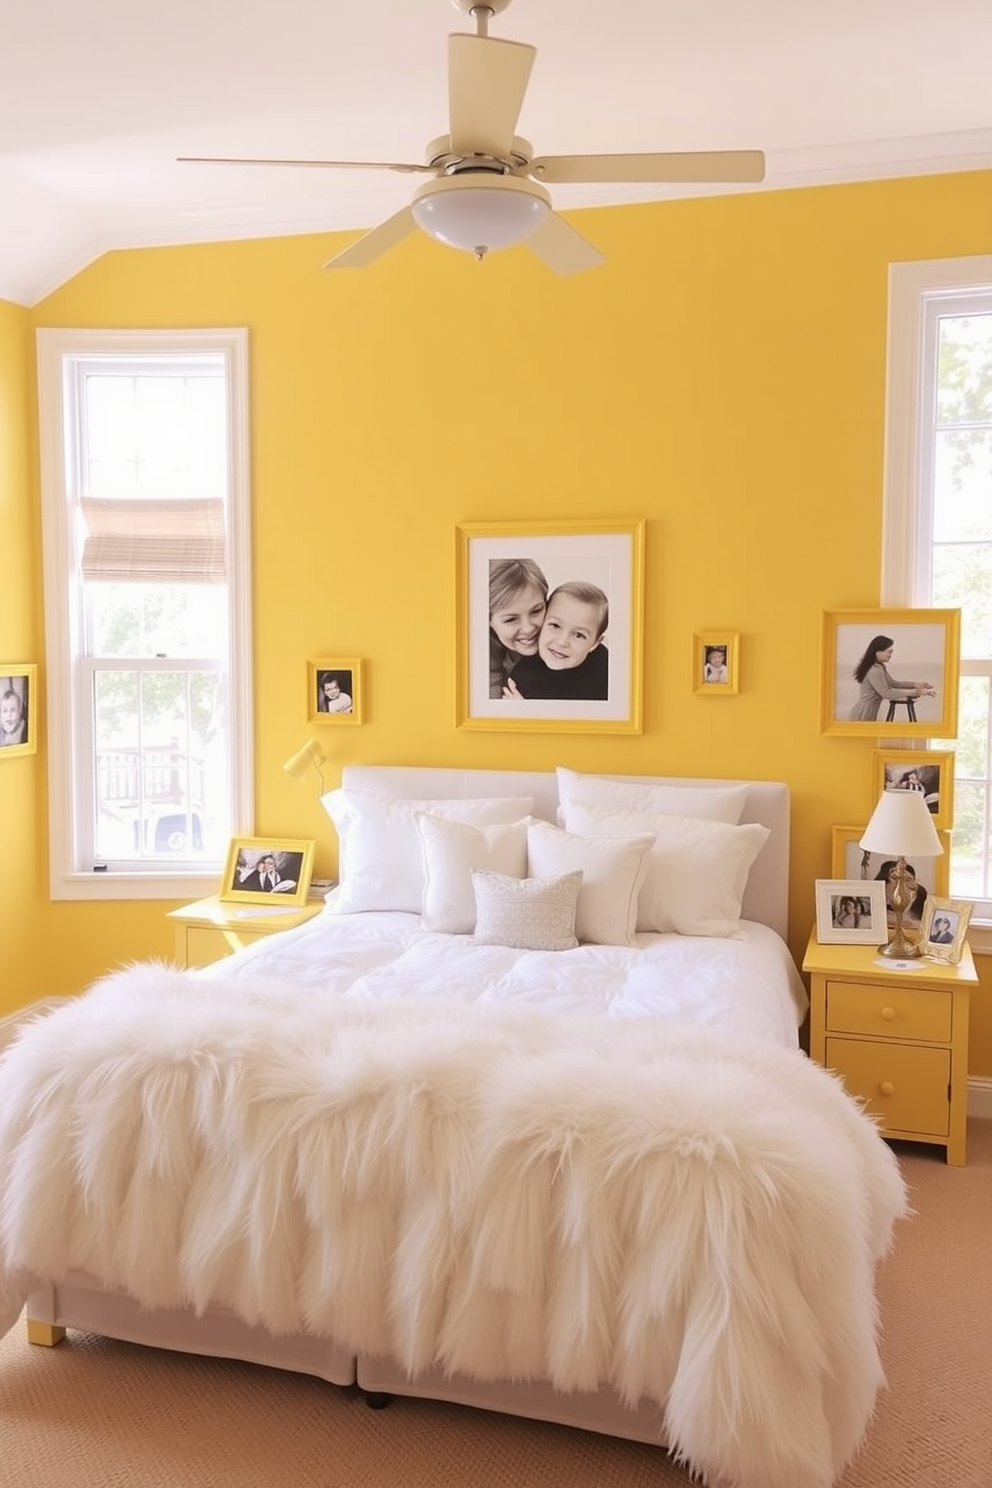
318,164
563,249
487,80
375,242
702,165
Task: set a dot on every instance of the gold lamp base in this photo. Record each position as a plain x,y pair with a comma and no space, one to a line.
898,947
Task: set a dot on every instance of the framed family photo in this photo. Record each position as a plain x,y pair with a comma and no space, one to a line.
18,710
928,875
334,690
942,933
929,772
549,623
267,870
714,663
850,911
890,673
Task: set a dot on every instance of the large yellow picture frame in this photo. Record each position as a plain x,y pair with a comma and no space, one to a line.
575,676
925,650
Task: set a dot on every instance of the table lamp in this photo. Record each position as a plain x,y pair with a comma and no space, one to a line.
298,765
901,827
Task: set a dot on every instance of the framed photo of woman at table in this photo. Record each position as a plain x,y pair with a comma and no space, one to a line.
890,674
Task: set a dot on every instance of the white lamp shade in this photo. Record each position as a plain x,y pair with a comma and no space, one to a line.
478,212
901,827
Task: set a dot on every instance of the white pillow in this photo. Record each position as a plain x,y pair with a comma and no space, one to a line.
527,914
451,851
710,802
696,871
612,874
380,862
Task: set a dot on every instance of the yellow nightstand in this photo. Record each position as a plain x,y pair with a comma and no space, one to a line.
210,928
898,1038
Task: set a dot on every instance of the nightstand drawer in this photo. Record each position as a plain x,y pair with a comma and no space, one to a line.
907,1088
207,943
889,1012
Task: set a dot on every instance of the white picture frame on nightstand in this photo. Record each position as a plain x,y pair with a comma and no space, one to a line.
850,911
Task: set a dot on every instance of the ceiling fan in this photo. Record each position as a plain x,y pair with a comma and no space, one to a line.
487,189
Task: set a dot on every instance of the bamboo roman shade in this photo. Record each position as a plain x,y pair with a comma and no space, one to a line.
153,541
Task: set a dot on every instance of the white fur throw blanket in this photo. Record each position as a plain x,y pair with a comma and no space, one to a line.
495,1191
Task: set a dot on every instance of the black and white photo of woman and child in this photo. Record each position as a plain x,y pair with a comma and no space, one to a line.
267,872
546,641
13,711
923,779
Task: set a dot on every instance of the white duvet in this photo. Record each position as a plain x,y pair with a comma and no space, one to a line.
747,983
682,1214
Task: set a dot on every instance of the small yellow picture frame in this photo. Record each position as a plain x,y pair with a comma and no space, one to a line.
274,871
18,709
714,663
334,690
930,772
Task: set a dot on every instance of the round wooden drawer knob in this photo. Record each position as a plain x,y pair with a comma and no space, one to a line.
887,1087
888,1014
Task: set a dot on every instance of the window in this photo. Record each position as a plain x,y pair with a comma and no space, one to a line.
937,545
146,557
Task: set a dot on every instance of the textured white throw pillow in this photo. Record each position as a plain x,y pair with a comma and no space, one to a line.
696,870
708,802
527,914
380,860
612,873
451,851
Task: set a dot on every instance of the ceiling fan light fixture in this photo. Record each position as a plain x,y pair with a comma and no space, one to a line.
480,212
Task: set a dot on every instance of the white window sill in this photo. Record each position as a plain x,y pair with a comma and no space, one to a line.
99,886
980,937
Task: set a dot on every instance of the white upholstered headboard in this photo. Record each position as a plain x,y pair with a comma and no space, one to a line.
767,895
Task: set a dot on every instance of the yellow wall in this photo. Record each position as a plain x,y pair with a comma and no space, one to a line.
722,375
25,886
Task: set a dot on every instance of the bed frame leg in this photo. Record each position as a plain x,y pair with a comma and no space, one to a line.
377,1399
46,1335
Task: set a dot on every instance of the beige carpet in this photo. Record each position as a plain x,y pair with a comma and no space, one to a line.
98,1414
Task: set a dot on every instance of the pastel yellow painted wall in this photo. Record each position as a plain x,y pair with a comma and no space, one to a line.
20,788
722,375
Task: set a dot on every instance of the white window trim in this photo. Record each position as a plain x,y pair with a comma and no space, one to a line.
911,286
67,881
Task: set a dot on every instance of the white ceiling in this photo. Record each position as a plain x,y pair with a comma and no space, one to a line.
98,97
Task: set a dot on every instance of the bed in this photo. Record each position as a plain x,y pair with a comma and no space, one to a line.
519,1120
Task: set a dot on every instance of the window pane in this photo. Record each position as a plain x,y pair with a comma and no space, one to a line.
158,619
962,498
161,765
970,842
962,577
155,435
964,375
